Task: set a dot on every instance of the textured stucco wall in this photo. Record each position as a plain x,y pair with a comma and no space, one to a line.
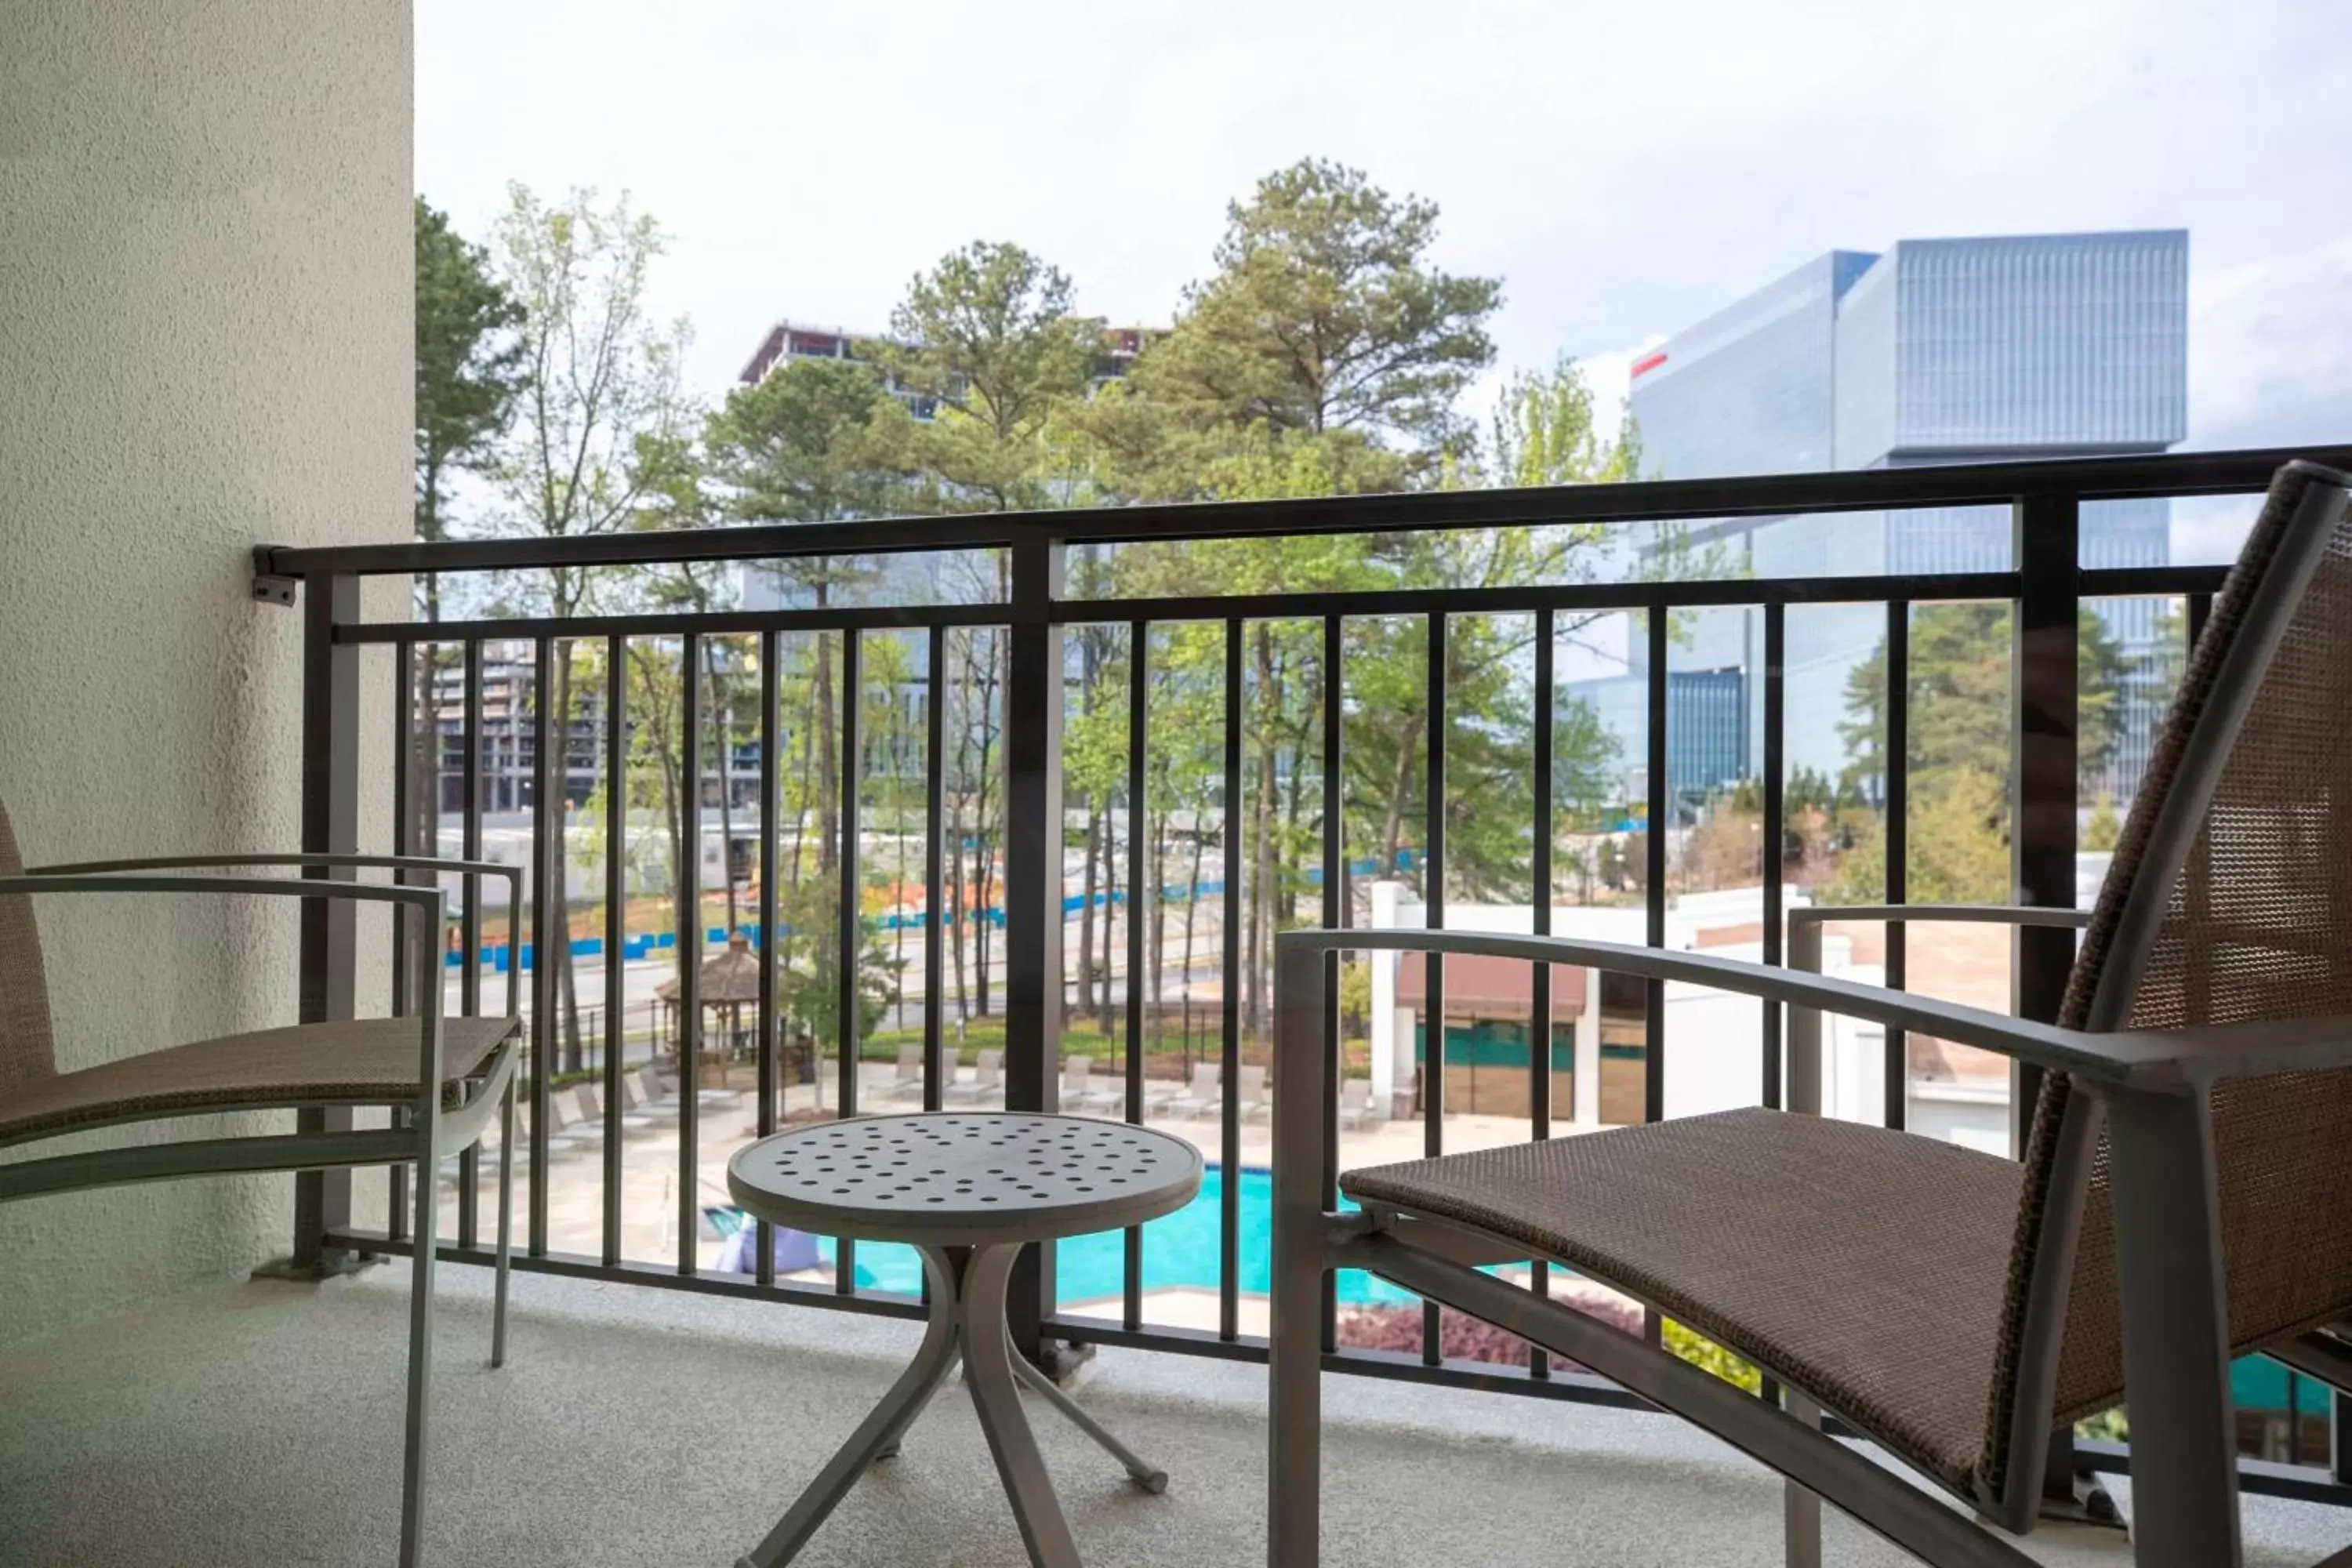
204,344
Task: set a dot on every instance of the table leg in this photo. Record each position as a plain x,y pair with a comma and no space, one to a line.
1149,1476
997,1397
880,1431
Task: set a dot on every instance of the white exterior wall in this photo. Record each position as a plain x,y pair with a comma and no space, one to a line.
1715,1052
206,344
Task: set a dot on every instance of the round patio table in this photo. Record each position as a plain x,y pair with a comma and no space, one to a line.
968,1190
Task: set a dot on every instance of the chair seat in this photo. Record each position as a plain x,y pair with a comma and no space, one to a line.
1866,1267
356,1060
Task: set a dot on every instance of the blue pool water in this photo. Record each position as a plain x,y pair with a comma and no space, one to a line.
1179,1250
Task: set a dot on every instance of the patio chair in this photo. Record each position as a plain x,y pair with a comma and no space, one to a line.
907,1083
448,1075
648,1096
1355,1103
567,1131
1249,1092
1079,1090
1203,1097
592,1108
987,1079
2185,1194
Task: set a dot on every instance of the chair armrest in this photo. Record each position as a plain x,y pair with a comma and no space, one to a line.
57,880
432,902
512,874
2125,1060
1980,914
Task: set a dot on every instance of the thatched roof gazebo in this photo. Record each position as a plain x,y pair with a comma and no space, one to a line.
728,981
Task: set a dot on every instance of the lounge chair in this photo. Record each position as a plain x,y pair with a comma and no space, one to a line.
2197,1091
563,1137
908,1082
450,1074
592,1108
1249,1098
1201,1098
987,1079
1080,1092
1355,1103
650,1096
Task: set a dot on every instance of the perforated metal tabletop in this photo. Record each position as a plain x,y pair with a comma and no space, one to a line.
964,1178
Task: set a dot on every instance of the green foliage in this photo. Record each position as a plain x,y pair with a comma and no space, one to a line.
1958,848
991,333
601,434
816,441
1324,317
469,366
1708,1356
808,988
1547,431
2105,825
1960,718
1959,752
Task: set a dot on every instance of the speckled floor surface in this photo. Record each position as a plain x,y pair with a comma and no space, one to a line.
260,1424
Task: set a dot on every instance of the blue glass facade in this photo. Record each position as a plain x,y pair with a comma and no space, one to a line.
1935,351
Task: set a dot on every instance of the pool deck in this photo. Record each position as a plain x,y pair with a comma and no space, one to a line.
649,1168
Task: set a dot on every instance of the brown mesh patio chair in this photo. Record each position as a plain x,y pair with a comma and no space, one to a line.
2185,1194
442,1077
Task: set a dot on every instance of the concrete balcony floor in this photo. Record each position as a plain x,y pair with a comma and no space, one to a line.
260,1423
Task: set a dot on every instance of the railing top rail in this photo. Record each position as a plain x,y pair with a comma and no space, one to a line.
1769,495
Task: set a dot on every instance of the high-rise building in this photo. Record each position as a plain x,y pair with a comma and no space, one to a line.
1936,351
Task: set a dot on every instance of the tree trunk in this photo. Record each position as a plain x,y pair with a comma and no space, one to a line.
828,784
1110,901
722,701
1087,922
1399,789
556,878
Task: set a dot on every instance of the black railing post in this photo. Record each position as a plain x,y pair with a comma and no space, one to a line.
330,801
2046,715
1033,881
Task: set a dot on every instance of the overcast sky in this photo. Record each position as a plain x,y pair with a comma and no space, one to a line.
1625,168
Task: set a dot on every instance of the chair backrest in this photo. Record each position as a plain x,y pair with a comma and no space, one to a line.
1076,1070
1354,1093
1206,1079
989,1070
1252,1085
910,1063
2230,899
27,1045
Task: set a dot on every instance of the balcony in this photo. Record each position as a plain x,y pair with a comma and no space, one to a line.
978,811
964,772
638,1426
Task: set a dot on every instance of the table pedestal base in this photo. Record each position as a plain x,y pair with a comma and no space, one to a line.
967,1322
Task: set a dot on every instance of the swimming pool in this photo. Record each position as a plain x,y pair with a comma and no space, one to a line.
1179,1249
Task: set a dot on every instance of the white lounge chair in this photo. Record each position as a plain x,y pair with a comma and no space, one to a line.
1079,1093
908,1082
1202,1097
1252,1099
987,1079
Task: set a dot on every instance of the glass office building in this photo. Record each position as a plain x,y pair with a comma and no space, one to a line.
1938,351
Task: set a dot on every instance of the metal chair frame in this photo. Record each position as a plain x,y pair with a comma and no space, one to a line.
2148,1091
431,1131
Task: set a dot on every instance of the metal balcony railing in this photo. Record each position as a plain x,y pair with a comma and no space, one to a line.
2044,582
